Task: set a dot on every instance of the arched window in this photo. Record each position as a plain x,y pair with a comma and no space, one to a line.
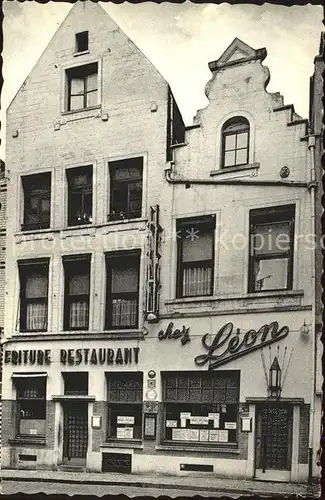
235,142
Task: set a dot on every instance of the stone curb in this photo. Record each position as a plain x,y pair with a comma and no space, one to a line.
137,484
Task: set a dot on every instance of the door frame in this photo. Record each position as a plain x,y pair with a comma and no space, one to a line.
283,475
65,407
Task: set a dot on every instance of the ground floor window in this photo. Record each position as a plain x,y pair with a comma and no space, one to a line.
201,407
31,403
124,406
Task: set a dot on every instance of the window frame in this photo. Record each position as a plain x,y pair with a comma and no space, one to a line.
114,404
112,259
168,403
24,400
82,191
68,377
136,162
82,72
73,262
24,271
77,40
40,193
239,121
258,217
208,223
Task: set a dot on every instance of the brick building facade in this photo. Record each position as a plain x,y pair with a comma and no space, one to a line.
154,323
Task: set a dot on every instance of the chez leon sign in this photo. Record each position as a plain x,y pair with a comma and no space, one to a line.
228,344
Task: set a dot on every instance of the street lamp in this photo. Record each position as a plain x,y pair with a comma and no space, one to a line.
275,379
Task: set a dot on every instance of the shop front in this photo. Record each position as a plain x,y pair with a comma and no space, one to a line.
215,395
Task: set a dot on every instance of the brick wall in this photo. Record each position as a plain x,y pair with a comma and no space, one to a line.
303,434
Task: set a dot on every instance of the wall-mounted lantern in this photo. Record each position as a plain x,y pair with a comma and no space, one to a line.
275,379
304,331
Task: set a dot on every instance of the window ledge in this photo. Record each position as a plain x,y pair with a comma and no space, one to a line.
77,335
118,444
124,221
239,168
91,227
200,449
83,110
76,54
73,397
26,440
219,298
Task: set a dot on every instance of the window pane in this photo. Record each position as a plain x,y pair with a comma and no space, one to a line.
36,316
271,274
77,86
79,314
197,245
127,174
241,156
92,82
242,140
124,280
120,199
76,102
230,142
36,286
197,281
79,284
124,312
229,159
45,206
92,99
271,238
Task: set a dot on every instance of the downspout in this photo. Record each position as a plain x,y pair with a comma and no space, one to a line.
233,182
311,153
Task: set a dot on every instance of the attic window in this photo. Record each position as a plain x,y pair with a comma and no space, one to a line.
82,41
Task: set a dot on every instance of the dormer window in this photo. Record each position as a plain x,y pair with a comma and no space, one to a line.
235,142
82,41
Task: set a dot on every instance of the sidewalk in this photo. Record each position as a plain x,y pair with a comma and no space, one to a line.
197,483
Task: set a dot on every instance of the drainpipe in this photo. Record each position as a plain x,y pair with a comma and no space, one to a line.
311,153
233,182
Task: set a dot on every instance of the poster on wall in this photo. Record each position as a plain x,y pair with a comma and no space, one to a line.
186,434
194,434
223,408
223,436
204,435
230,425
185,414
199,420
176,434
183,422
120,432
213,435
121,419
128,432
171,423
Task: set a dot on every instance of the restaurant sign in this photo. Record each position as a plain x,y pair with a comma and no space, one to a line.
73,356
228,345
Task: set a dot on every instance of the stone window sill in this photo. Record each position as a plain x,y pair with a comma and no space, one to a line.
219,298
83,110
103,335
136,444
28,441
90,227
231,449
76,54
239,168
73,397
